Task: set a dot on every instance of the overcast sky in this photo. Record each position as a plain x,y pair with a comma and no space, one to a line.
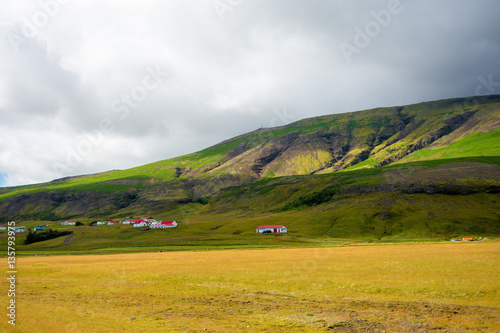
89,86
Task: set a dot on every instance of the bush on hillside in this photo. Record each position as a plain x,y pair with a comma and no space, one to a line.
313,199
201,200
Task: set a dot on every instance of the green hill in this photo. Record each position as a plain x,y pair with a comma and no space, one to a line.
423,171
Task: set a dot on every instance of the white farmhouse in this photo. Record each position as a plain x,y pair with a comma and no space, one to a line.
141,223
164,224
274,229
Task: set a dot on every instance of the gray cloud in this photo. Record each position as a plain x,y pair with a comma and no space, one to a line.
78,95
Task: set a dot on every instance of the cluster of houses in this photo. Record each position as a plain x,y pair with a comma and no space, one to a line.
149,222
144,222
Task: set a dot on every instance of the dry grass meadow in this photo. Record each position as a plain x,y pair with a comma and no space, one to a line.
451,287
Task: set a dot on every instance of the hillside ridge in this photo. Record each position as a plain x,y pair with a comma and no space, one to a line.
382,140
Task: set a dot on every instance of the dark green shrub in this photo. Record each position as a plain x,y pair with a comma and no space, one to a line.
202,201
34,237
313,199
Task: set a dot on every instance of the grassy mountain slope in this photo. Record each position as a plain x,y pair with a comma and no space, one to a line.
391,203
381,173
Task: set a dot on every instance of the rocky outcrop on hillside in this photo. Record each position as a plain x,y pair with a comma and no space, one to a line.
379,138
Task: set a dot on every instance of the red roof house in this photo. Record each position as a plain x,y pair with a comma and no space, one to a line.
164,224
140,223
263,229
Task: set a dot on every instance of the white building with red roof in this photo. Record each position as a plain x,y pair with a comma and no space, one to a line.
275,229
164,224
139,223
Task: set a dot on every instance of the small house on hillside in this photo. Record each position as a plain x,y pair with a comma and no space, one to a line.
100,223
148,219
111,222
126,222
164,224
276,229
141,223
65,222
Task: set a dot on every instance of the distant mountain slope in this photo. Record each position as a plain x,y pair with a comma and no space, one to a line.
439,132
330,143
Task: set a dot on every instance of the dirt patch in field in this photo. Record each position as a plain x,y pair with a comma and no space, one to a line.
287,310
370,316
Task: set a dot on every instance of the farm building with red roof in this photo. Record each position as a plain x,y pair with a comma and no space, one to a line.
141,223
164,224
263,229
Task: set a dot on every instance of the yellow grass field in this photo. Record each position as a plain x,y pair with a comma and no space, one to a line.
394,288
